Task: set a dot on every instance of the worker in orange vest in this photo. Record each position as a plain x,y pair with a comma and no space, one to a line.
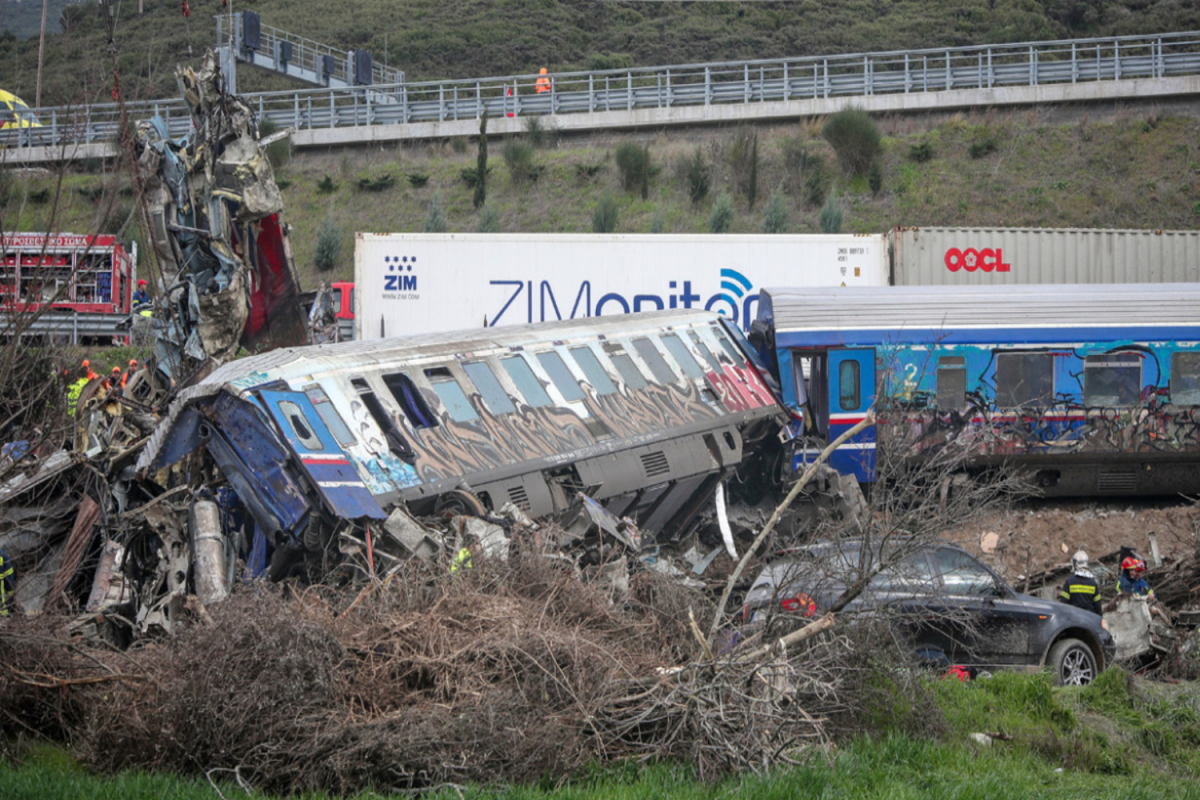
542,84
133,365
87,365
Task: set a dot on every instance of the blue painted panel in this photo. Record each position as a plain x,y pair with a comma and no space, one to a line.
323,459
1010,336
851,394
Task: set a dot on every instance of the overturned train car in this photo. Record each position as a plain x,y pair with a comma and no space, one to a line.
646,413
1094,390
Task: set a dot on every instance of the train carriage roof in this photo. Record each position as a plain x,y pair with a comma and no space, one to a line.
1017,314
368,353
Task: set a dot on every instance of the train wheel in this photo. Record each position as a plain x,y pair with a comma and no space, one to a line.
459,502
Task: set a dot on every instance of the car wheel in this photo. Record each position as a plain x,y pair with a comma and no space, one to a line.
1073,663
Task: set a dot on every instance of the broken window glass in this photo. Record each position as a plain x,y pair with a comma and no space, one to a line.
1114,379
553,364
683,357
295,417
494,396
391,432
1024,379
734,354
1185,379
704,351
329,415
654,360
590,364
411,402
527,383
951,383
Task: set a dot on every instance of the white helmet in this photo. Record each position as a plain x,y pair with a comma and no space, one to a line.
1079,560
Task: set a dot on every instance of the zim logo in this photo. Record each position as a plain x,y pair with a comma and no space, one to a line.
400,282
987,259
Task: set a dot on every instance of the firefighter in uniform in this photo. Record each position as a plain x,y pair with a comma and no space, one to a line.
1081,588
7,583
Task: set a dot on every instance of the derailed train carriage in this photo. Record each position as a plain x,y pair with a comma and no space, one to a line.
647,414
1094,390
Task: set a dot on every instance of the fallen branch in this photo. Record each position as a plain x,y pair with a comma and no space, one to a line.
869,419
795,637
51,682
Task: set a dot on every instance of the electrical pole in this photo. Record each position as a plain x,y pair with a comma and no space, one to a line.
37,99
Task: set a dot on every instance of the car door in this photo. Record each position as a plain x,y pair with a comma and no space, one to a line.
989,624
851,395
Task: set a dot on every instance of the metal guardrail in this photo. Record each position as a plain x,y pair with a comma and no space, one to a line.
983,67
75,327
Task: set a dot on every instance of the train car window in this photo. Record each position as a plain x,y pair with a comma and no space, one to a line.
595,373
734,354
395,439
683,357
654,360
1185,379
553,364
632,376
1114,379
295,417
411,402
704,351
528,384
452,395
329,415
1024,379
951,383
494,396
849,385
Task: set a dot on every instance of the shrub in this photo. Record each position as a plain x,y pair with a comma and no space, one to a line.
280,152
875,178
489,220
435,220
376,182
855,139
458,144
815,183
535,133
721,218
604,218
417,179
982,147
326,186
601,61
470,175
329,246
830,218
743,161
518,155
658,222
697,177
921,152
40,196
775,218
633,162
588,171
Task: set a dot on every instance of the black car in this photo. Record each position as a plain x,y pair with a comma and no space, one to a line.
950,607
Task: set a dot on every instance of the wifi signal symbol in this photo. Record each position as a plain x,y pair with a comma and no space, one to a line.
735,285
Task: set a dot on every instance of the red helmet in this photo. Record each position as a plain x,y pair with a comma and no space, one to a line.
1134,564
141,283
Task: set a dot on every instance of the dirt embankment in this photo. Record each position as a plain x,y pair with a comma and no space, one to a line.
1035,537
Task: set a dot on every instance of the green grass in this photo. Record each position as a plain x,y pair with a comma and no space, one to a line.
1119,738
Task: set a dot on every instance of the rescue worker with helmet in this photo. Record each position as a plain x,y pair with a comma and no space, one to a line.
1081,589
77,388
542,84
141,297
133,365
1131,580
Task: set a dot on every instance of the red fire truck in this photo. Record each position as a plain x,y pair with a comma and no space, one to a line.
86,274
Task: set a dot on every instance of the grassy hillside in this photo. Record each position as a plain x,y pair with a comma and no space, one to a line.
470,38
1132,168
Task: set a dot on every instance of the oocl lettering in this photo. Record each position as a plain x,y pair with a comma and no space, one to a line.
972,260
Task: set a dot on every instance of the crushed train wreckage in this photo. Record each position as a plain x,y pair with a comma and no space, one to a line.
319,461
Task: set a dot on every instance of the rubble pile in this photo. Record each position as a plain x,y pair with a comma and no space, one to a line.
508,671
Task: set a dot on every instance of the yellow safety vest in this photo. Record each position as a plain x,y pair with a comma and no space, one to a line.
6,573
462,560
73,395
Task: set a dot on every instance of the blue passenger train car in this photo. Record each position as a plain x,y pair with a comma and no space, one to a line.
1094,389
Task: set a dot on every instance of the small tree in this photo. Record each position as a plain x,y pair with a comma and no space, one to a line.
518,156
489,220
329,246
481,165
775,219
721,218
697,177
435,220
855,138
633,163
875,178
830,218
604,218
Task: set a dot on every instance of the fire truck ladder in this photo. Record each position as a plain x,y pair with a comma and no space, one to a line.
243,38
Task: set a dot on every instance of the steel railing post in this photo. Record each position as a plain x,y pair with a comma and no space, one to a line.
332,113
296,111
1032,66
991,73
478,100
746,83
907,75
867,75
949,77
826,63
629,95
308,113
1074,64
1117,60
707,86
591,92
786,88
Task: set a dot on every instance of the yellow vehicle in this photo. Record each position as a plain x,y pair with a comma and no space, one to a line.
14,113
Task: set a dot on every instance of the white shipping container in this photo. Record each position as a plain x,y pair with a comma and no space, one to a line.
411,283
985,256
